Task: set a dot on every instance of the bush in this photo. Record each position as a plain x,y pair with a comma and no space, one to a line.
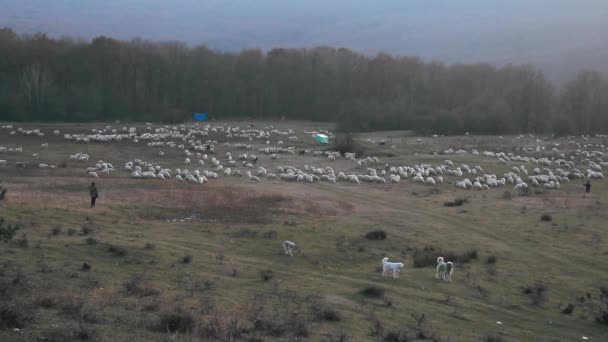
568,310
72,307
15,315
456,202
491,260
86,230
177,320
376,235
7,232
373,292
133,287
91,241
71,231
56,231
546,218
117,250
266,275
396,336
492,338
322,312
186,259
47,302
537,292
601,308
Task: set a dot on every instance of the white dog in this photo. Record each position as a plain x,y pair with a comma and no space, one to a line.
393,267
444,269
288,247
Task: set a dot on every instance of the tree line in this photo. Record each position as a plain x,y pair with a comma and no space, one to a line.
64,79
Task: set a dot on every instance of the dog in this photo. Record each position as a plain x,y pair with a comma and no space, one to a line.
393,267
444,269
288,247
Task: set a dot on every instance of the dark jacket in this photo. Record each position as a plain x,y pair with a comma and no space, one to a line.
93,191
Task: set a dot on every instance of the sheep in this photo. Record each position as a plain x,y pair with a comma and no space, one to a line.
444,269
288,247
393,267
93,174
251,177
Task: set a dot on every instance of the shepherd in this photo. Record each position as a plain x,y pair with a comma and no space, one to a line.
587,186
93,193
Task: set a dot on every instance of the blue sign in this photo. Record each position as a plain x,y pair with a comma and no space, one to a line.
200,116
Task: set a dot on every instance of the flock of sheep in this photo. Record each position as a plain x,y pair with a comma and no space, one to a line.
202,161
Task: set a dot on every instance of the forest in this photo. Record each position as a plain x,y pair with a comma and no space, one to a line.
49,79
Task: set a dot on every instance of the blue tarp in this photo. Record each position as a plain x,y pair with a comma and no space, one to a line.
200,116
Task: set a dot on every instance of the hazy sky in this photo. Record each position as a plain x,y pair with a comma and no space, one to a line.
554,34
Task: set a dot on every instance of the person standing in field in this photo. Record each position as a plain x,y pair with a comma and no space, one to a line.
587,186
93,193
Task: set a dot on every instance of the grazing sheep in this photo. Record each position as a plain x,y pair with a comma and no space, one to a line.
288,247
393,267
93,174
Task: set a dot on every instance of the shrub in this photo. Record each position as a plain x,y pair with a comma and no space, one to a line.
186,259
491,260
322,312
568,310
86,266
15,315
71,231
601,308
537,292
91,241
133,287
376,235
7,232
373,292
469,255
266,275
86,230
117,250
47,302
492,338
178,320
546,218
395,336
72,307
56,231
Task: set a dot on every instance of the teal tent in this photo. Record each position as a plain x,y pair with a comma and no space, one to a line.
322,138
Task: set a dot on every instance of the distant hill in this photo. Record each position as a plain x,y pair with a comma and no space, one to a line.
560,36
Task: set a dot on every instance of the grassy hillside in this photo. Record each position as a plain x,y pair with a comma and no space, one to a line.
206,261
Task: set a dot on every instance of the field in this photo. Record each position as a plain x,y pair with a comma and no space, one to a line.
169,261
